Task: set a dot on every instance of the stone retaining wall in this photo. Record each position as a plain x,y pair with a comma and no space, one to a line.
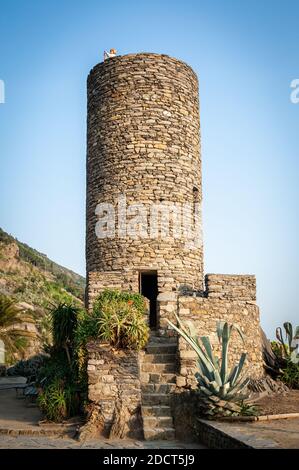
204,313
114,390
228,298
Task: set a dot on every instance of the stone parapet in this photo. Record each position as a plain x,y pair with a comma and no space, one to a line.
231,286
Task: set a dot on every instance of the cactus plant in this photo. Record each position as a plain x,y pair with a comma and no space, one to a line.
220,388
291,342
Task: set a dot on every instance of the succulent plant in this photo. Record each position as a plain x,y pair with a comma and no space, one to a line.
221,388
290,347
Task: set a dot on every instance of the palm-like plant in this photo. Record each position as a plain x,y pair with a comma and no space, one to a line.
216,382
64,324
10,315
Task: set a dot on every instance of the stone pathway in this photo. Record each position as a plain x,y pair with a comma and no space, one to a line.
16,415
274,434
28,442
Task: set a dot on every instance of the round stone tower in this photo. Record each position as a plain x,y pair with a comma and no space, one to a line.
143,158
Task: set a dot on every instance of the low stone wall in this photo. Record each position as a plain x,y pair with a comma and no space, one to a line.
230,298
205,313
114,390
231,287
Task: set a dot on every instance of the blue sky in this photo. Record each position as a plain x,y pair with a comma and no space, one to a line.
245,54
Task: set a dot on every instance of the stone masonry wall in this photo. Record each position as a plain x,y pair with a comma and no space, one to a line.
228,298
231,298
143,142
231,286
114,390
120,280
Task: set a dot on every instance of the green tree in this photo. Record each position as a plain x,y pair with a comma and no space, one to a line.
64,324
13,339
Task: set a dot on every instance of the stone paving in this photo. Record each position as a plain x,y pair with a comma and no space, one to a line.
29,442
15,415
272,434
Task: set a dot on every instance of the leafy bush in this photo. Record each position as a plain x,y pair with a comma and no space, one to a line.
64,324
59,378
14,340
290,374
118,318
59,401
247,409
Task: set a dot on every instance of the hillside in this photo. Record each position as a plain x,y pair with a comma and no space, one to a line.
31,277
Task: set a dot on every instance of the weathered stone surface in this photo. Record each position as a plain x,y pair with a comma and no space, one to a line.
205,312
143,141
114,392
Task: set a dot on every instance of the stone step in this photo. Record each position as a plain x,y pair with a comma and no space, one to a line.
156,378
158,388
160,422
155,411
155,399
155,337
159,358
155,348
159,434
166,378
158,368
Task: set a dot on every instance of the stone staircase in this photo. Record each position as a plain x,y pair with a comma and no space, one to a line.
158,380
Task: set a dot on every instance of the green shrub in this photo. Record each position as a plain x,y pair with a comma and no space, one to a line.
58,401
247,409
60,379
14,340
290,374
64,324
120,319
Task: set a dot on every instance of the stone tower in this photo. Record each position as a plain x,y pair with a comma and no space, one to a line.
143,159
143,146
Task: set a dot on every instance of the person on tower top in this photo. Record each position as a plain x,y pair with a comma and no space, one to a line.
108,55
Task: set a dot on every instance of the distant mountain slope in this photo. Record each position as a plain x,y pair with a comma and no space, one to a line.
30,276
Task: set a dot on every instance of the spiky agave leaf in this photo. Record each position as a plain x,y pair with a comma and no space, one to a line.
236,371
195,345
213,379
208,347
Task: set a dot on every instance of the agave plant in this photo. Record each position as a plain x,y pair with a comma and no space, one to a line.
291,342
217,383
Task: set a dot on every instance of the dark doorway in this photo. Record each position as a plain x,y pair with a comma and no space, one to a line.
148,286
